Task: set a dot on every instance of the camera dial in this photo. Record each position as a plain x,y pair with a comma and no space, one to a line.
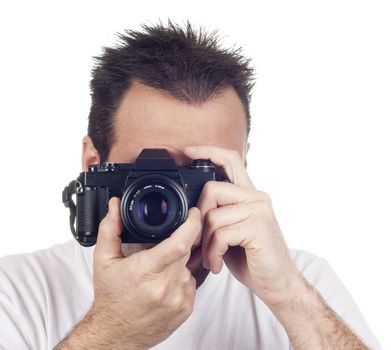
201,163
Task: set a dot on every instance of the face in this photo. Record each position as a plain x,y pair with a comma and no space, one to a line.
147,118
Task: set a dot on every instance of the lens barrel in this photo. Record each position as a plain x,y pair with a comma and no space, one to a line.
152,207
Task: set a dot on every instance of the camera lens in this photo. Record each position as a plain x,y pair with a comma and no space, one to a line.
153,209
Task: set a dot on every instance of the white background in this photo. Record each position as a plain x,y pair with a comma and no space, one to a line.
321,120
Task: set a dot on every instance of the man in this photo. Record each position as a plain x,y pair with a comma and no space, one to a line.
171,87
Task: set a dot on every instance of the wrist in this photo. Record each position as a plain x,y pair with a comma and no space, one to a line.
298,310
297,297
285,293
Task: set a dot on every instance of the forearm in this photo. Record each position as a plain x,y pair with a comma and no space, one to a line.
311,324
91,333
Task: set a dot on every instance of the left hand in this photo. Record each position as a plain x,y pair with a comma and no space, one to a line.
240,228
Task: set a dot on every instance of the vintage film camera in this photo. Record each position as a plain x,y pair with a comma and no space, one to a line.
155,196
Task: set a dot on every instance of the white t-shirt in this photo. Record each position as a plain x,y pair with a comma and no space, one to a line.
44,294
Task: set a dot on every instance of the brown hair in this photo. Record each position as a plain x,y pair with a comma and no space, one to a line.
191,66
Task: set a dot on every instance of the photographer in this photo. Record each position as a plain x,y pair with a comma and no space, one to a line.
174,88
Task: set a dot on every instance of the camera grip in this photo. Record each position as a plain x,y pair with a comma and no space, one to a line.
92,207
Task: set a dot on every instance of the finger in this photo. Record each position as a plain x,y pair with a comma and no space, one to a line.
222,239
221,217
108,243
216,194
230,160
177,247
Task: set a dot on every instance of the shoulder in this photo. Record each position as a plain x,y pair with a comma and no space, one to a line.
41,264
41,273
37,287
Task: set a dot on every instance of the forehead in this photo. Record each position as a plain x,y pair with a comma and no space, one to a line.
147,118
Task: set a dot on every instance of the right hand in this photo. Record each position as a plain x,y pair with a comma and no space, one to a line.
141,299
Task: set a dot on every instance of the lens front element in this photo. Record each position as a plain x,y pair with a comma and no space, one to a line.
152,207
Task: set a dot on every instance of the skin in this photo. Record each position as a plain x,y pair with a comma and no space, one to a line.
143,293
163,122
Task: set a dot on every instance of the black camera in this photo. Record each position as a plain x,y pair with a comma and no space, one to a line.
155,196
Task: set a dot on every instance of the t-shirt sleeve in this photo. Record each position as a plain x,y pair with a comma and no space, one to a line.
13,334
318,272
19,323
43,295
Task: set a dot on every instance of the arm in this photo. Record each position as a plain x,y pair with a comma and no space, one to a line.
92,333
241,230
15,331
141,299
310,323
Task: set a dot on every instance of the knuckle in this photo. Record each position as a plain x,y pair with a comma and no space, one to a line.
210,217
264,196
219,235
196,212
192,285
187,303
158,294
181,249
234,154
188,277
188,280
208,188
177,300
188,308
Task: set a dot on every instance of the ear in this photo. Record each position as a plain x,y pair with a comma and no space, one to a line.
89,154
245,156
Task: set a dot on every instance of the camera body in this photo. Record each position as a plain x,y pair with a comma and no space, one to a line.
155,196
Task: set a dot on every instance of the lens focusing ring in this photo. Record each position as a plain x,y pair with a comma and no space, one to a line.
136,192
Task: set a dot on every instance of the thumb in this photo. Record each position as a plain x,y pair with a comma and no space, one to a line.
108,243
176,249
